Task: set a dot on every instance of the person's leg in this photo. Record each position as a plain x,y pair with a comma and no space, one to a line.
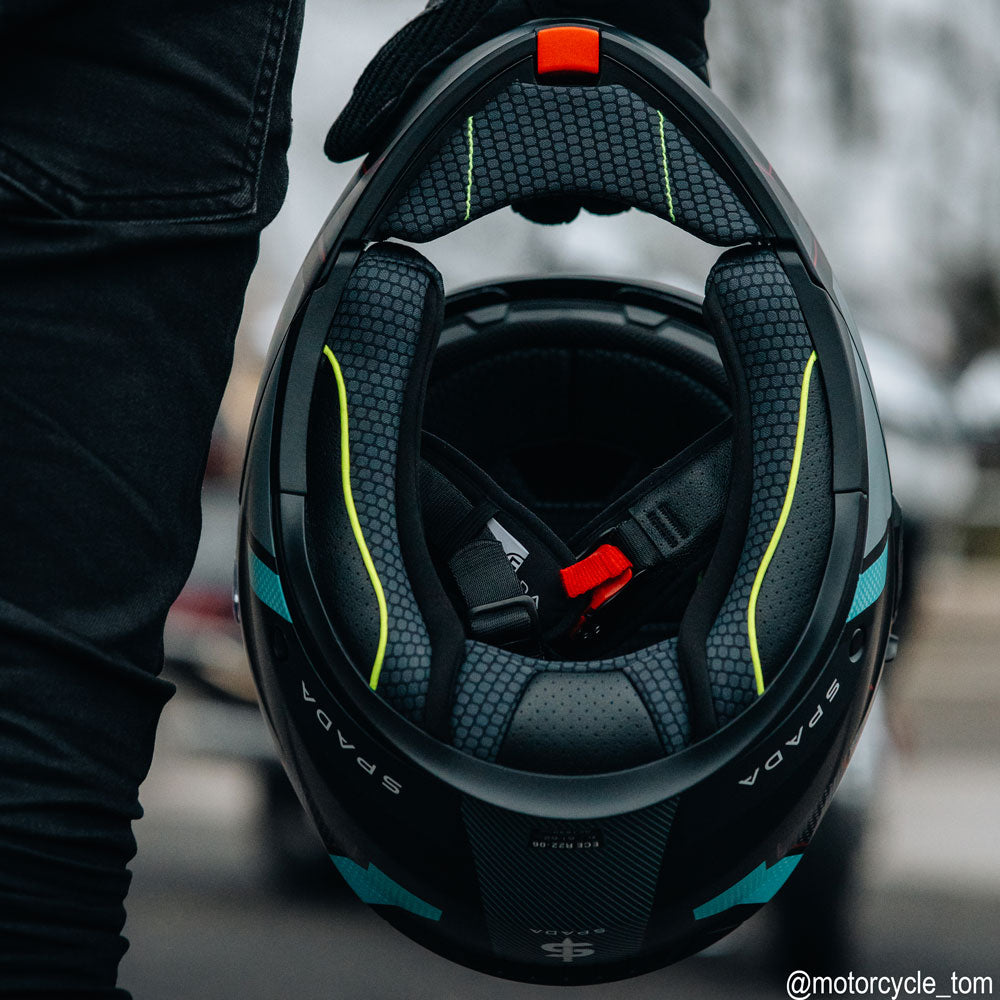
141,151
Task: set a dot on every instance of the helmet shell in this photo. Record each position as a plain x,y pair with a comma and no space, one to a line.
555,878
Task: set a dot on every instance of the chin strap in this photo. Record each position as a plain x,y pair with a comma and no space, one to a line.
497,608
659,530
515,583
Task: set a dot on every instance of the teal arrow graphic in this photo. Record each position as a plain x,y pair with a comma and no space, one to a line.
371,885
757,887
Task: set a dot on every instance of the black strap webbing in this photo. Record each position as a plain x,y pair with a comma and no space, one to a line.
665,524
497,610
668,521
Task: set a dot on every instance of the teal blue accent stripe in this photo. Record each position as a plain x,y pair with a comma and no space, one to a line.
373,886
871,583
267,586
758,887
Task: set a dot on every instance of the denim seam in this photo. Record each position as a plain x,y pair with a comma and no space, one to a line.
277,32
232,202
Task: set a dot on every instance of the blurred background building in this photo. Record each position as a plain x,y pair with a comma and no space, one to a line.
883,120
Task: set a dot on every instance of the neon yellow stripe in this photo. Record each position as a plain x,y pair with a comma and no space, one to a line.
468,185
793,479
666,166
352,514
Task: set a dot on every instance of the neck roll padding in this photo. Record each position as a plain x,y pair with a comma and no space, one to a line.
532,141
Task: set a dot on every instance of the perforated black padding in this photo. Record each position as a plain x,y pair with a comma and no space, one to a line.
533,140
374,337
770,334
592,724
492,680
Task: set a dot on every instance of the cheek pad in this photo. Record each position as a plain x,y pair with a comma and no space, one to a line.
789,510
391,303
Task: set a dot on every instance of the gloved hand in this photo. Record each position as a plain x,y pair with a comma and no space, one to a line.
447,29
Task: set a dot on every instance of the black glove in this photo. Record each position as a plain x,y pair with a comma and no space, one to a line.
448,29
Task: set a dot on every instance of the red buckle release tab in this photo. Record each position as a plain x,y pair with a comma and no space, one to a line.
569,50
606,571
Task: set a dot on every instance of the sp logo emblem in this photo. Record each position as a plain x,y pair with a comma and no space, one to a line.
568,950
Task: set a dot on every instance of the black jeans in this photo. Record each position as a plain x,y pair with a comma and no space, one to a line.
142,149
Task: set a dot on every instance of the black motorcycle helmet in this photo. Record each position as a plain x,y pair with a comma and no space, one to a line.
566,628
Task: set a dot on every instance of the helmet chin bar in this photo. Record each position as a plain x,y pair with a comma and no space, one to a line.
450,847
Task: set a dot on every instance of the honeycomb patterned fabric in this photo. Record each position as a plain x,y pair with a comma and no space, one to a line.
771,336
604,141
774,344
375,336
